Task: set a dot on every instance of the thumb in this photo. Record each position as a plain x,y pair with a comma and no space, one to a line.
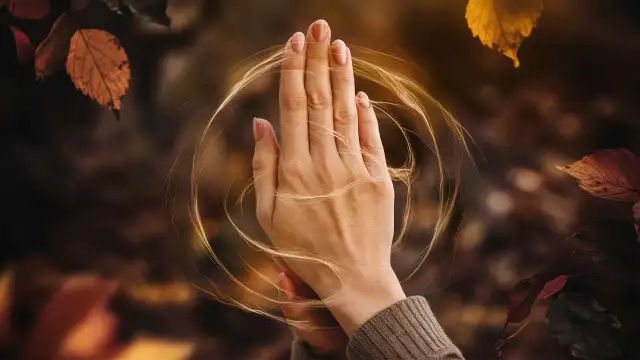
265,169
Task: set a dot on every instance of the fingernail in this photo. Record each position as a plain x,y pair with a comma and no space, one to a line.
258,129
319,30
363,99
339,50
282,281
297,42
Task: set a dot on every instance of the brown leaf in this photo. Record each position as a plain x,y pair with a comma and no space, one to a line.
503,24
52,52
99,67
612,174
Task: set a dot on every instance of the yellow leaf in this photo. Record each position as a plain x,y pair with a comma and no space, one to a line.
99,67
503,24
612,174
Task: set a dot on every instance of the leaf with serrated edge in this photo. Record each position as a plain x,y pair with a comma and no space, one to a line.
99,67
612,174
501,25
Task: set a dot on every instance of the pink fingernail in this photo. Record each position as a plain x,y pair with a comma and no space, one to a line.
319,30
339,50
258,129
297,42
363,99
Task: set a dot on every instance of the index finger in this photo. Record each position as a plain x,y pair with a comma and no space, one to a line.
293,99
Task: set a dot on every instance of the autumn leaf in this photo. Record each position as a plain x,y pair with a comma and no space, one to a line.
553,287
612,174
51,54
99,67
503,24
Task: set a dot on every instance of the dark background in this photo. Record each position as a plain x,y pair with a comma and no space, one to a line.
81,191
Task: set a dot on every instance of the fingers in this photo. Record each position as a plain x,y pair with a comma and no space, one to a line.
345,116
291,312
370,141
318,87
265,163
293,99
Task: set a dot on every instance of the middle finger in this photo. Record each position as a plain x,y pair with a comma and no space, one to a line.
318,86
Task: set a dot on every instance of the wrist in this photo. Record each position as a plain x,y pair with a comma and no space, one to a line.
364,296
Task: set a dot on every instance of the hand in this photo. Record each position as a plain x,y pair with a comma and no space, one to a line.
326,193
319,329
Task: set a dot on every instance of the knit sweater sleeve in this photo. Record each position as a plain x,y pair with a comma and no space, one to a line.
406,330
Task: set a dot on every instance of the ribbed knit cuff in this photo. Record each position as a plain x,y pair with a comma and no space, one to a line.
405,330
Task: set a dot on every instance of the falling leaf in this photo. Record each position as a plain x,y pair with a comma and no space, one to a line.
154,10
99,67
553,287
503,24
612,174
24,48
51,54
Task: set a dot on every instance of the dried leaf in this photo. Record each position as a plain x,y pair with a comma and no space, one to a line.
553,287
154,10
99,67
51,54
503,24
24,48
612,174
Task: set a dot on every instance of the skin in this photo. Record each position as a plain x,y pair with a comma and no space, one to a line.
325,190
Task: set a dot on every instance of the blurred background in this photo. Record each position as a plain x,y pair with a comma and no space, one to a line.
85,197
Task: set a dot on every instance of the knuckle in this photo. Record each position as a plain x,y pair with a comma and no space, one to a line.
381,188
344,115
257,163
292,168
318,100
293,103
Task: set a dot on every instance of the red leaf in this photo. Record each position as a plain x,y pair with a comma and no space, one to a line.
553,287
522,298
29,9
612,174
24,49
